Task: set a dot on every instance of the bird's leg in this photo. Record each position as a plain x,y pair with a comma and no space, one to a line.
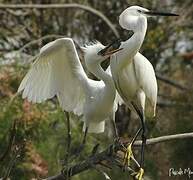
68,134
68,138
143,136
143,128
81,147
116,135
85,134
129,153
66,159
140,174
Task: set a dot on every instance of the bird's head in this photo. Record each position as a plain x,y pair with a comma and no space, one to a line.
95,52
129,17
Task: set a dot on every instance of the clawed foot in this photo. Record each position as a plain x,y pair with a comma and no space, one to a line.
95,149
78,150
128,156
138,175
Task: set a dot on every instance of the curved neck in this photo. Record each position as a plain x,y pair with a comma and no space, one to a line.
98,71
132,45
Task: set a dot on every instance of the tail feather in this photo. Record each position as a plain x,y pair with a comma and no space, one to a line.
95,127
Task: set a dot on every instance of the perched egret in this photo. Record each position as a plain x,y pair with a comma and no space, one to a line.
57,71
133,74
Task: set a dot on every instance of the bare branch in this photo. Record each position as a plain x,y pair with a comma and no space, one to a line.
162,139
11,141
62,6
49,36
171,82
106,155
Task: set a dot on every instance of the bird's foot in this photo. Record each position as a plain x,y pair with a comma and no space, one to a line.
79,150
95,149
139,175
128,156
119,141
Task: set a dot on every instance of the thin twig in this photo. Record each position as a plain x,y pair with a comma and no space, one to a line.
62,6
49,36
11,141
16,154
171,82
161,139
104,155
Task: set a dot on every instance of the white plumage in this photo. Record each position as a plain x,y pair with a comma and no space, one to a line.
136,83
58,71
133,74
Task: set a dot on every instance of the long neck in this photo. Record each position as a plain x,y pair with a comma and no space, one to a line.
98,71
132,45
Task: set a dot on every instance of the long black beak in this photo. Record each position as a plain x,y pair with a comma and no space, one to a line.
153,13
111,48
108,53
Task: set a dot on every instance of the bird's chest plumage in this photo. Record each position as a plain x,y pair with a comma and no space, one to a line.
126,82
100,104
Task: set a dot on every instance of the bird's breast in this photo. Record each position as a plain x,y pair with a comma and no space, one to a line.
99,105
126,82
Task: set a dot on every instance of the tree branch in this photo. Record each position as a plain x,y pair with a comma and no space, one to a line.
62,6
162,139
171,82
93,11
49,36
11,141
107,155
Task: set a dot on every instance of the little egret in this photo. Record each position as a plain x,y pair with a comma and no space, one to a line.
133,74
57,71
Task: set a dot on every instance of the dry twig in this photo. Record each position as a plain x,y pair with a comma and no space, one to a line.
62,6
106,156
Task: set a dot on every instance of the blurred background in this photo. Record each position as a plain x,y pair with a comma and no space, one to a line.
33,136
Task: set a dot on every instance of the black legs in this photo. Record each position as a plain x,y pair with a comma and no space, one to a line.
85,134
144,137
144,132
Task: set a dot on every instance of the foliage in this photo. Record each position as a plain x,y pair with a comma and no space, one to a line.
39,144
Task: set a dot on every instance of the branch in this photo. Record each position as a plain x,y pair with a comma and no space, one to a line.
62,6
162,139
171,82
93,11
164,103
11,141
49,36
105,155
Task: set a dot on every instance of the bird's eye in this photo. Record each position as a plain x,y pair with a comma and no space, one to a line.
139,11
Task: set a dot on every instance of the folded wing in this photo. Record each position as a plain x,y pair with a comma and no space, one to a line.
57,71
147,79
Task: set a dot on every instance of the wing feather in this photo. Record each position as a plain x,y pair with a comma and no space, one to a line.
146,78
56,71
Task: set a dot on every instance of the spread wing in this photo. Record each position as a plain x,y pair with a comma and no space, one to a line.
56,71
147,79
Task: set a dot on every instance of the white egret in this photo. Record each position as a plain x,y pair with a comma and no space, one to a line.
57,71
133,74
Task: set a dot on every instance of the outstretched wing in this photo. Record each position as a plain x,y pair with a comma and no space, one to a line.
56,71
147,80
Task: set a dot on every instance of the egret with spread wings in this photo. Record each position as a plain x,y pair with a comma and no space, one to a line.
57,71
